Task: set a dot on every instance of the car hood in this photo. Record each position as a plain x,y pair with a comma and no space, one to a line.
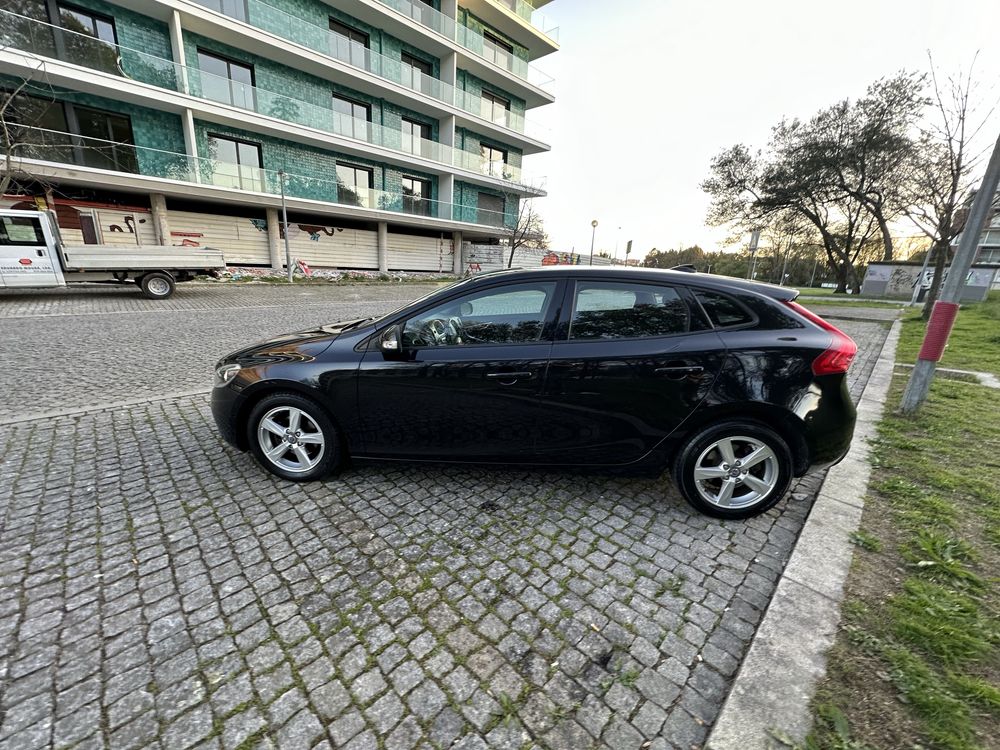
299,346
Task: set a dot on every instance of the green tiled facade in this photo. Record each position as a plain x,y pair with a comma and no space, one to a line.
144,54
470,21
312,172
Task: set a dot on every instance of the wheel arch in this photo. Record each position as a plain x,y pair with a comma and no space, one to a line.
782,421
258,392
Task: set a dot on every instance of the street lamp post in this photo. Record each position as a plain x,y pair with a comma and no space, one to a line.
284,226
593,231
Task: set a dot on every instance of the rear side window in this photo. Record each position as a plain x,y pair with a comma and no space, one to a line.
613,310
723,311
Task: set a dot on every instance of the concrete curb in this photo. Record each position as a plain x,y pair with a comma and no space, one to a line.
787,657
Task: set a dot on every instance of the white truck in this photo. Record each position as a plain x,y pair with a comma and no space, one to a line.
32,256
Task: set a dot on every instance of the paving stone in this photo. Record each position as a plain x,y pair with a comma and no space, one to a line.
232,605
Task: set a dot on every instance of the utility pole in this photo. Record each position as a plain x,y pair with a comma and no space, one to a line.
813,277
284,226
946,308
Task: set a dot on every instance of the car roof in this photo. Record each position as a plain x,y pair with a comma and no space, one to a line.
639,273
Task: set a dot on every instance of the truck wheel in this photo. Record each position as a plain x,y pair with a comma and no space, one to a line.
157,285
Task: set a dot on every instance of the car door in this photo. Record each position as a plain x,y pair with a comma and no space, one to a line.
25,260
630,362
467,384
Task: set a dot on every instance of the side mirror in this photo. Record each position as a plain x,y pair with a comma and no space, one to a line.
390,341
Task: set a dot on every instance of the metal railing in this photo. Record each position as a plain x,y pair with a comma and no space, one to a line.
45,39
58,147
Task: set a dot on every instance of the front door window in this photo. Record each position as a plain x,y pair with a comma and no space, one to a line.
512,314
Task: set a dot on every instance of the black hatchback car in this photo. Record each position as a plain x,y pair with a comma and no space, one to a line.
730,385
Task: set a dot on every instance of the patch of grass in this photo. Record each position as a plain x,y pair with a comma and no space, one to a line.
628,677
974,343
865,540
917,661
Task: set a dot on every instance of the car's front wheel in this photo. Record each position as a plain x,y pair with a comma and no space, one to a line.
734,469
292,436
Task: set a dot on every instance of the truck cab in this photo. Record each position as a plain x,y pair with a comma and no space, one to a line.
33,256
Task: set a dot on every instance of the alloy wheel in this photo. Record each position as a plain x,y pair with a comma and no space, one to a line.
291,439
736,471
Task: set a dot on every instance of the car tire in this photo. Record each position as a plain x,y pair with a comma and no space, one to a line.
157,285
293,437
713,474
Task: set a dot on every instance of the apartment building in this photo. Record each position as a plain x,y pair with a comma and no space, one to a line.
395,130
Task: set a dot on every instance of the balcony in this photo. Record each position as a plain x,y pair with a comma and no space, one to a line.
51,41
322,40
59,148
470,39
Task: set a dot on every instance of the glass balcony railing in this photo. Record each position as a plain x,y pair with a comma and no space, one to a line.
537,19
52,41
326,42
58,147
472,40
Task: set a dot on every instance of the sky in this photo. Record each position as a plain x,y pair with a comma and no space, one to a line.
648,91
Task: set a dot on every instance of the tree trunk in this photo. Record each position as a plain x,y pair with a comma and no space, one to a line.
940,251
513,249
886,239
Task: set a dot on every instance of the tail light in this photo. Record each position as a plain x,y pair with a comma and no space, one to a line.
838,356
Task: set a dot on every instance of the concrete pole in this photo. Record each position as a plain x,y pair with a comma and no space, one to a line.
946,308
274,238
161,227
457,241
383,246
191,144
177,51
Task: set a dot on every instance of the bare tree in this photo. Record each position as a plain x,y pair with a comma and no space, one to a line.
15,118
527,231
940,178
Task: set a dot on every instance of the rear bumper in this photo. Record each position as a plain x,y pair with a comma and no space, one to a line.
830,425
226,405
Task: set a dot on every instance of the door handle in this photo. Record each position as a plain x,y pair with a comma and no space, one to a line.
508,375
678,371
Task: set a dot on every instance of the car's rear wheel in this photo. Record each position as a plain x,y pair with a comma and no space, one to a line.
734,469
292,437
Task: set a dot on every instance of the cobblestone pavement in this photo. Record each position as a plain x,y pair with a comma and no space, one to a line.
159,590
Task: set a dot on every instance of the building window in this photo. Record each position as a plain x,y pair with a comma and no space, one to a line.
106,139
417,74
414,135
349,44
494,160
352,118
233,8
495,108
497,51
93,41
238,163
416,196
69,133
354,185
490,210
226,80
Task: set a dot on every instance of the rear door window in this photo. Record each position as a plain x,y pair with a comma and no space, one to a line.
616,310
